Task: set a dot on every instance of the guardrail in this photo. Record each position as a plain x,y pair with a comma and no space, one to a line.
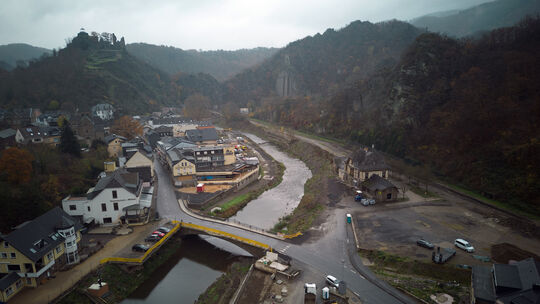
216,232
148,253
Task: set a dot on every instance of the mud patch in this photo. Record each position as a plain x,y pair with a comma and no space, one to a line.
502,253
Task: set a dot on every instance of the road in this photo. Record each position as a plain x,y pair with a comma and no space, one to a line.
328,255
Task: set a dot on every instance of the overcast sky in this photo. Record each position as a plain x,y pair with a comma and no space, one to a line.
200,24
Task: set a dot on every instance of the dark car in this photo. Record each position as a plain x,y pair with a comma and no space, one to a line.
140,247
425,244
152,238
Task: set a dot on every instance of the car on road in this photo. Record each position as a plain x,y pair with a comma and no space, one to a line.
163,229
463,244
140,247
152,238
425,244
331,280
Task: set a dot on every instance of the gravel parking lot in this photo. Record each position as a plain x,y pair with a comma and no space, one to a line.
395,227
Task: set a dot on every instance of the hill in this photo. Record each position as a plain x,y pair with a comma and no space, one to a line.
90,70
483,17
10,54
467,108
220,64
320,64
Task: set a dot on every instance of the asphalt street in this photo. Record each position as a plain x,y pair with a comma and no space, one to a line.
329,255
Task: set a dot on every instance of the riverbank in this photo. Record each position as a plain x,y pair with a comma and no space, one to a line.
223,289
122,280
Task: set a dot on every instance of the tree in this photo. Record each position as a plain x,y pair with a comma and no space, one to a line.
127,126
231,111
68,141
196,106
53,105
17,165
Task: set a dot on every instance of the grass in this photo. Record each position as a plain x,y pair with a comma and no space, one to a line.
419,278
235,201
222,290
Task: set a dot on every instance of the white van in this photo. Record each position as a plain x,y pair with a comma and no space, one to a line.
462,244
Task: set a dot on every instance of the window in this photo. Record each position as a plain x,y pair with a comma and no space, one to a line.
13,255
104,207
114,194
50,256
6,244
9,291
384,174
72,207
389,196
14,267
4,255
115,205
18,284
107,220
58,249
88,208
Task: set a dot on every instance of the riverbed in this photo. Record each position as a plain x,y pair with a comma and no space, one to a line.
265,211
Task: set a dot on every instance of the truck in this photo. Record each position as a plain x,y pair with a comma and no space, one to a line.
310,293
442,255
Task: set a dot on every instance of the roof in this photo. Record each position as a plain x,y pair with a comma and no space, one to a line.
482,283
368,161
163,129
206,134
145,173
39,236
8,280
102,106
375,182
112,137
176,155
117,179
340,162
31,132
7,133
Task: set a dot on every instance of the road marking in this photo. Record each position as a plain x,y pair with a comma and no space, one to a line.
282,250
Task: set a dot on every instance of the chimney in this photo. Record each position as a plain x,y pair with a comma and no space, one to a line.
109,166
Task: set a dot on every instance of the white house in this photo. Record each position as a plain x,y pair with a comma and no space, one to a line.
104,111
109,200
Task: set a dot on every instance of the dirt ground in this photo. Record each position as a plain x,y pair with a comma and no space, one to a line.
207,188
395,227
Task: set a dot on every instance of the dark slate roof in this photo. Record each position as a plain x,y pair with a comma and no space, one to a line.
7,133
375,182
112,137
145,173
117,179
482,283
506,276
31,132
102,106
8,280
39,236
205,134
163,129
368,161
340,162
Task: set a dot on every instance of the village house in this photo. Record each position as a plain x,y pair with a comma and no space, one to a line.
38,135
114,144
203,135
104,111
7,138
114,195
513,283
140,159
380,189
89,128
164,131
36,249
361,165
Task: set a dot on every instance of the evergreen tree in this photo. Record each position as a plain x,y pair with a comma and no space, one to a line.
68,141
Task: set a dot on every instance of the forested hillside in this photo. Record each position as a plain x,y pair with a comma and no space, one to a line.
483,17
220,64
91,69
15,54
319,65
467,108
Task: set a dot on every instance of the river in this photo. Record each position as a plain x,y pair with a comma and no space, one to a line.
265,211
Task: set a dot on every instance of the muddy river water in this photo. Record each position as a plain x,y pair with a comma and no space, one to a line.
265,211
201,260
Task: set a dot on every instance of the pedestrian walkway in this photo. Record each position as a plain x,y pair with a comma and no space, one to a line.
64,280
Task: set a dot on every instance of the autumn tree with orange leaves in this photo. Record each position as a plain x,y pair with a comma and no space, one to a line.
127,126
17,165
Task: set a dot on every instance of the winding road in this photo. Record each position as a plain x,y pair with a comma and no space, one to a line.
332,254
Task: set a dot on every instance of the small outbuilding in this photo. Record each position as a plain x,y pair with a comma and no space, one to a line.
381,189
200,188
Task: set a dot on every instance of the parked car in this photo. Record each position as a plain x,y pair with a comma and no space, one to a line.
163,229
358,196
158,233
331,280
152,238
140,247
463,244
425,244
